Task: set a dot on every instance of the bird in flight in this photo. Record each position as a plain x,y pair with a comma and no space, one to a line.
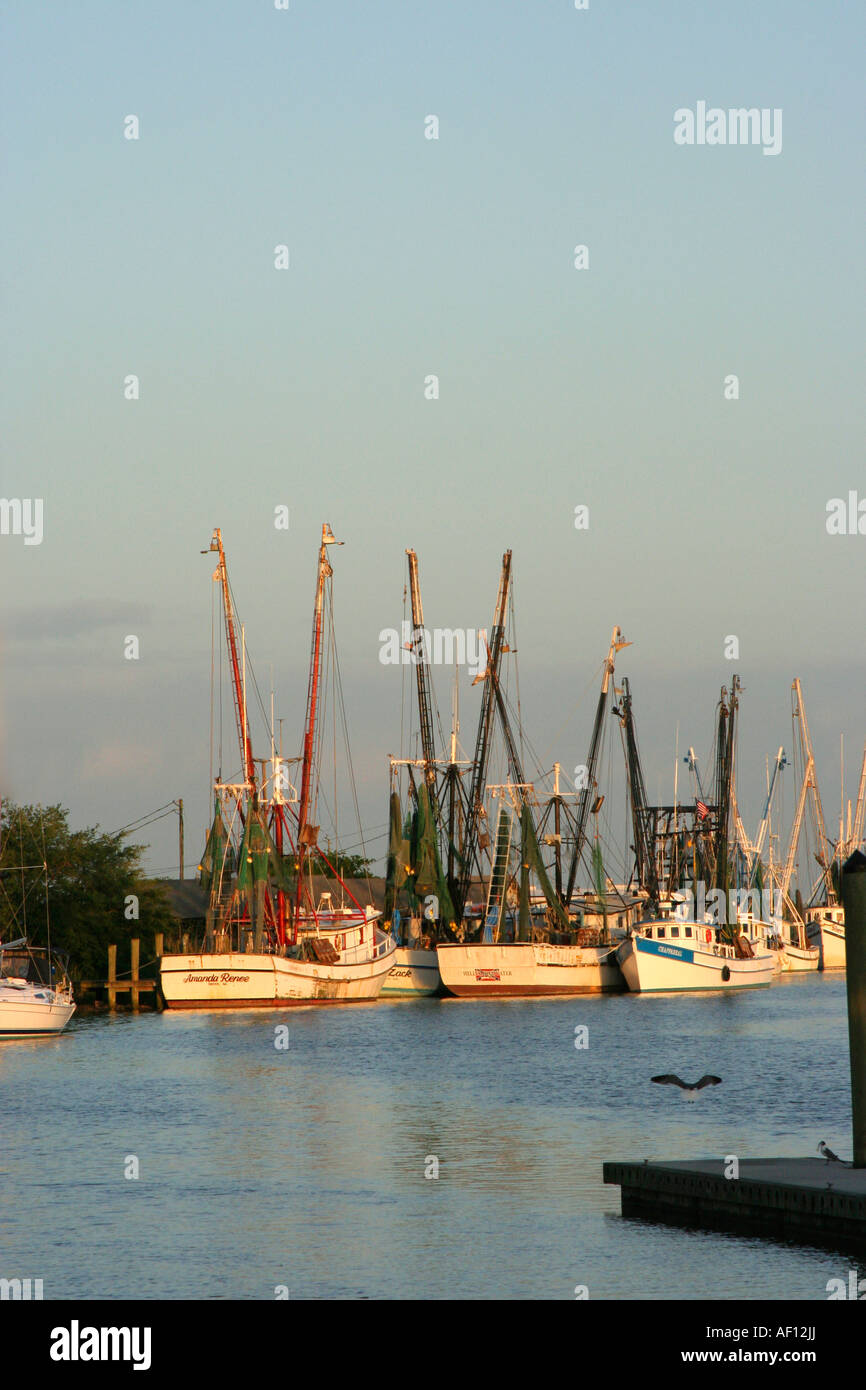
689,1088
828,1153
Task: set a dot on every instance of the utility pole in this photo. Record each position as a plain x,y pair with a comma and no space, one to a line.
180,835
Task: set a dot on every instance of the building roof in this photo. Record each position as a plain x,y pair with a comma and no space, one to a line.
186,899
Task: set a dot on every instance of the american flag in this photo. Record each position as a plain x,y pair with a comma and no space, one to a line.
702,810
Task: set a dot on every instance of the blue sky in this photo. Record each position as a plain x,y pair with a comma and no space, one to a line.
410,257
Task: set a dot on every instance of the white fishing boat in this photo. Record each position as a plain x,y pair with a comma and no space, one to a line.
35,993
666,955
825,931
524,968
338,963
268,942
414,974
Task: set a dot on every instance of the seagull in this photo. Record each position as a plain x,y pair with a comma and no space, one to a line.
690,1089
828,1153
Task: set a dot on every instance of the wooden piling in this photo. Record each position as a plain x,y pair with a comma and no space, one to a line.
112,978
134,947
854,901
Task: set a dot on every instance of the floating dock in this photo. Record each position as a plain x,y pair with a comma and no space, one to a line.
809,1200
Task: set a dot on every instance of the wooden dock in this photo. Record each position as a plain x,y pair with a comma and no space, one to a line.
135,986
809,1200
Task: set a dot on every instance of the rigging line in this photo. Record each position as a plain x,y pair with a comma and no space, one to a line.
345,723
249,664
45,866
21,849
512,616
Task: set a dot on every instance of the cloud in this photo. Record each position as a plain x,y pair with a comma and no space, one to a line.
115,760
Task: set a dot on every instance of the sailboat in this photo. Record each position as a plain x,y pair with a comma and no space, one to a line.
35,989
35,992
269,943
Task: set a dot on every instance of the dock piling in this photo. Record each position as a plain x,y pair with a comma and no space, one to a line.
134,947
112,978
854,902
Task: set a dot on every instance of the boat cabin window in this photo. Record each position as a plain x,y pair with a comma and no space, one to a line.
661,932
675,931
688,931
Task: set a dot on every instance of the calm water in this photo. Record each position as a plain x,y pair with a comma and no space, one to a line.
305,1167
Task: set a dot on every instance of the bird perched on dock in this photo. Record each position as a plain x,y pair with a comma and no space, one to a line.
828,1153
689,1088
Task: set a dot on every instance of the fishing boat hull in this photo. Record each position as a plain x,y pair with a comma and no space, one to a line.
829,937
800,958
528,969
33,1013
250,981
787,956
653,966
414,974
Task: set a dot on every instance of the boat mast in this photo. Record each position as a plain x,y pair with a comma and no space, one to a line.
588,792
799,712
475,811
795,830
306,833
725,783
757,848
238,684
856,835
422,676
644,847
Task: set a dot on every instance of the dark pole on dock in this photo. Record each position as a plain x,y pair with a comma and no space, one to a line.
854,901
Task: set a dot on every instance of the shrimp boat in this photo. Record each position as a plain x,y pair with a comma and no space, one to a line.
825,921
677,945
528,943
35,993
664,954
422,851
267,943
825,932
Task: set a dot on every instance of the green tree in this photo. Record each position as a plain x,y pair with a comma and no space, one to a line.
346,865
95,888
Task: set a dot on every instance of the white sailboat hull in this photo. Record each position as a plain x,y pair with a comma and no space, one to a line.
653,966
527,969
414,974
30,1011
250,981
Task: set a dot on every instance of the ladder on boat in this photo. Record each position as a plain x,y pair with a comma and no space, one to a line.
498,882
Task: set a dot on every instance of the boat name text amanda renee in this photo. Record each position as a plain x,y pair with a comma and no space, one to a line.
222,979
